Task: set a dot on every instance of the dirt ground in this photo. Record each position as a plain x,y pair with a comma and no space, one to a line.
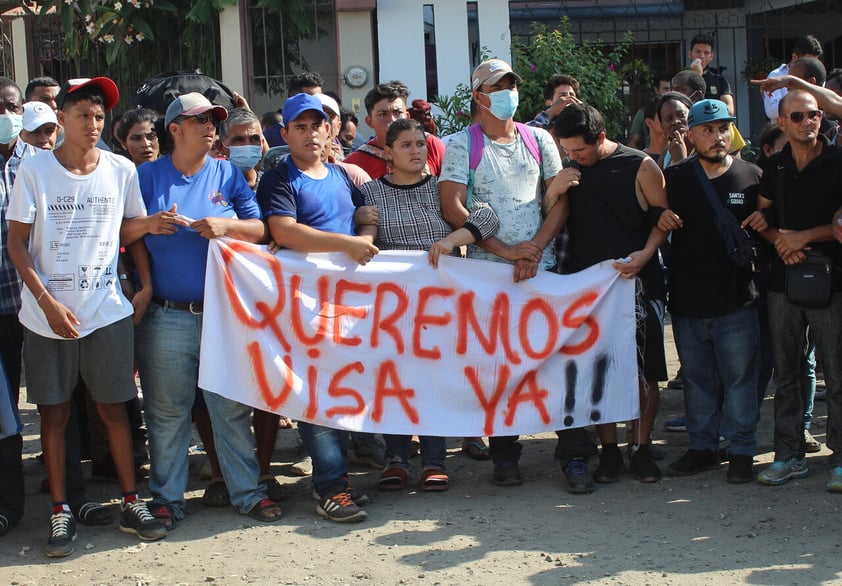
677,531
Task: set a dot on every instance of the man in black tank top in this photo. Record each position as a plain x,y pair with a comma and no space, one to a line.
614,194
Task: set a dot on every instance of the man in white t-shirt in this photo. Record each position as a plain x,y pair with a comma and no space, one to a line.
65,215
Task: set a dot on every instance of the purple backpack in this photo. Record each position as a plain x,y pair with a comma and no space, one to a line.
476,145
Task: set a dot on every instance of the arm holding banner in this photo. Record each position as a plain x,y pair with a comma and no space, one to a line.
288,233
453,196
651,192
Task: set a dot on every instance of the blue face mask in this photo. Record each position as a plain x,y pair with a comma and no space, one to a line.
246,156
10,127
503,104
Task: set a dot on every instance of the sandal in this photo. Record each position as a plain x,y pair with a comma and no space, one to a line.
284,422
393,478
92,514
273,488
216,494
4,524
164,514
434,479
263,511
476,449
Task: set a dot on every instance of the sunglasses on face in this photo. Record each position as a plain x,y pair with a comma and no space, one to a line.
204,119
798,117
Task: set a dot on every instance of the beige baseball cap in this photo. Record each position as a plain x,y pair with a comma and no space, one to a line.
490,72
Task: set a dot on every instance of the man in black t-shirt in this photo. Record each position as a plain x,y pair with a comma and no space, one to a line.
800,192
714,319
718,88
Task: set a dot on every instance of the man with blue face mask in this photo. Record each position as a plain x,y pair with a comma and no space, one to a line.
241,142
509,179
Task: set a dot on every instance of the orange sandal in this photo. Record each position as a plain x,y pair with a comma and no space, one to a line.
393,478
434,479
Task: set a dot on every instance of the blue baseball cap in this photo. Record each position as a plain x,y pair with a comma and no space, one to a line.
298,104
705,111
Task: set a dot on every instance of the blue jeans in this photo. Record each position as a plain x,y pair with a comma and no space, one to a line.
719,363
328,448
790,324
167,350
433,449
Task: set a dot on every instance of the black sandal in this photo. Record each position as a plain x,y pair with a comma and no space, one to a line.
92,514
261,511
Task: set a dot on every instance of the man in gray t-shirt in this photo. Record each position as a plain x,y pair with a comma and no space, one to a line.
508,178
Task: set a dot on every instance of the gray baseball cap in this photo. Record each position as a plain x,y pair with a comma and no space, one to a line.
192,104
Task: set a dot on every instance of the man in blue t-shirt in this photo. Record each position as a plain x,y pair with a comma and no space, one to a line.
309,207
209,198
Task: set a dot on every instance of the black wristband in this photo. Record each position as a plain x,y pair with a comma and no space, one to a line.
473,230
653,215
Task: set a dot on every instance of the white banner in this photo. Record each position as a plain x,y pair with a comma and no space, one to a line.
397,346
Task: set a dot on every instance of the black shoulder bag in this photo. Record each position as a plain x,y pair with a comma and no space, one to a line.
743,248
809,283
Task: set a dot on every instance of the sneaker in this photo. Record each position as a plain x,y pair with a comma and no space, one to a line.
340,507
642,465
811,444
676,424
740,469
578,479
507,473
693,462
782,472
302,467
610,464
367,450
62,535
359,497
835,483
136,518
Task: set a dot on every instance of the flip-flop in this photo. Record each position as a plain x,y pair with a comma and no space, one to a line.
92,514
393,478
476,450
434,479
262,511
216,494
273,488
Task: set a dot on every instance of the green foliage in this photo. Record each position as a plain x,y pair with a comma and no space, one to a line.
454,112
594,65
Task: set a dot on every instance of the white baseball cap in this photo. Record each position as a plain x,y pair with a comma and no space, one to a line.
36,115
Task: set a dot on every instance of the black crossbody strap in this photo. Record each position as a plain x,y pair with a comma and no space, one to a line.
707,187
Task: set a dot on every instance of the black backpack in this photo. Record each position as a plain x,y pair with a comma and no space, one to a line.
157,93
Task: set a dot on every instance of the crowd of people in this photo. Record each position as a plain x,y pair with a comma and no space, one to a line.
746,258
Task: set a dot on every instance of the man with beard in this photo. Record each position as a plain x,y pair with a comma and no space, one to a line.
712,299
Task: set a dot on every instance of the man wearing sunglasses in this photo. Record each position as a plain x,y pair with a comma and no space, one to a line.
800,192
206,198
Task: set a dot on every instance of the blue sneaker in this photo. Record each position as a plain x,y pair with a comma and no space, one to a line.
676,424
835,484
782,472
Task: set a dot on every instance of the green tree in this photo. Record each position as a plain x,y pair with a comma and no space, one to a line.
595,66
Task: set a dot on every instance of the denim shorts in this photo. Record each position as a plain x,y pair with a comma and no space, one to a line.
104,359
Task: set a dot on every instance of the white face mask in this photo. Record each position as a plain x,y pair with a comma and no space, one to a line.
10,127
503,103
